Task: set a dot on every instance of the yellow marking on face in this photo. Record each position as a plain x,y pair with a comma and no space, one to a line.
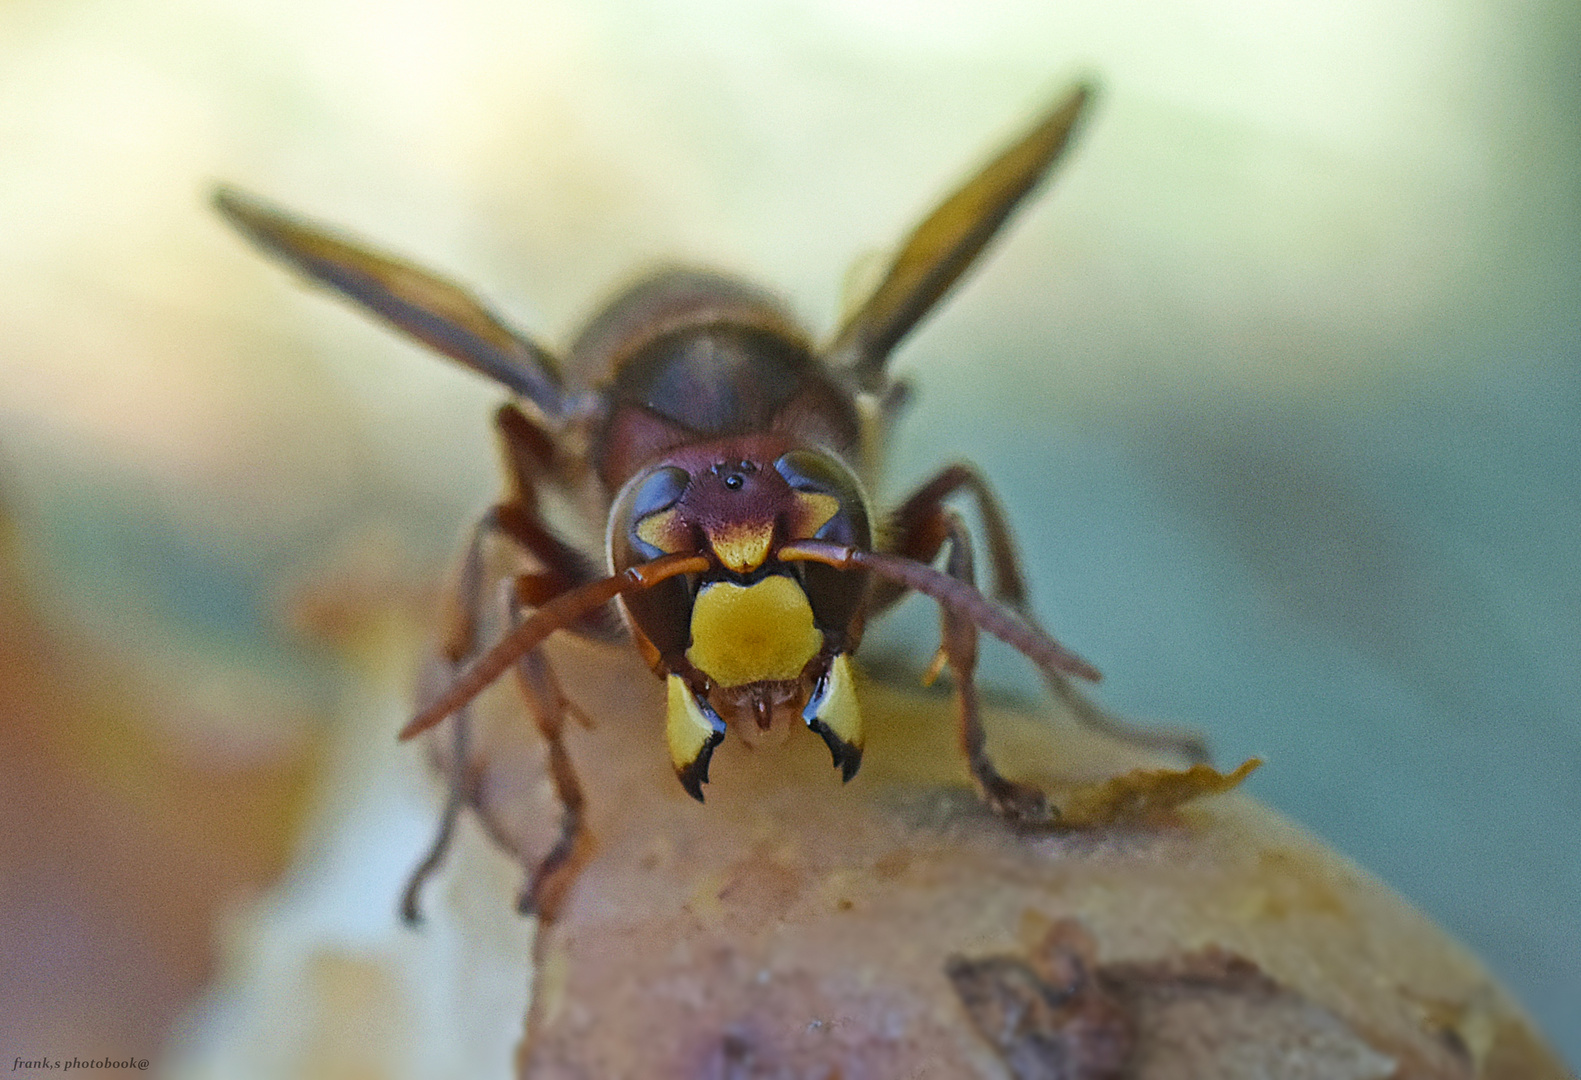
686,727
753,633
661,531
743,547
814,511
839,709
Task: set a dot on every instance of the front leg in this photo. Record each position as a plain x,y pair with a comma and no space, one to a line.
461,792
462,773
549,880
1020,804
531,460
540,689
919,531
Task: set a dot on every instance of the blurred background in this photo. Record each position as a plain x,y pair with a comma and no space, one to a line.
1281,383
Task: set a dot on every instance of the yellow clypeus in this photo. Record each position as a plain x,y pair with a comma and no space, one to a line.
753,633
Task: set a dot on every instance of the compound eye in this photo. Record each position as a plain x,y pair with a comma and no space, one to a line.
829,500
645,524
653,524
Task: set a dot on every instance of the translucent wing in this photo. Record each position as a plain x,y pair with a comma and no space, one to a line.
436,312
949,239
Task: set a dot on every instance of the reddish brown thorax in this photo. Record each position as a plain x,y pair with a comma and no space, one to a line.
693,357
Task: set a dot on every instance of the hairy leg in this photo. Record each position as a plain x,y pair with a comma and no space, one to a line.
528,454
549,879
460,643
461,792
918,531
1020,804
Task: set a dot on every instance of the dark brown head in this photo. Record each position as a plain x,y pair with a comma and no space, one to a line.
752,640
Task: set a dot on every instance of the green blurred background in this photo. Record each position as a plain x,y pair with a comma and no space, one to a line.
1281,383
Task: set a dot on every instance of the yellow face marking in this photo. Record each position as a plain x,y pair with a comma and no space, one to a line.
753,633
686,727
814,509
661,531
743,547
839,710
